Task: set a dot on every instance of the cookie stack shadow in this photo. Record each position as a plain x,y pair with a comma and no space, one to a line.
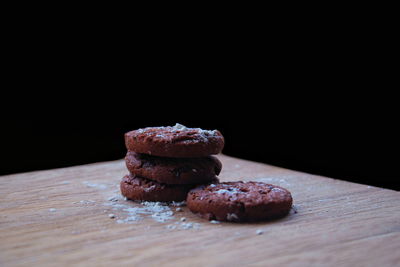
165,163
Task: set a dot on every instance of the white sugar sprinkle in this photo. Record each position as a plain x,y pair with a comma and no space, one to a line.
215,221
259,232
113,198
229,191
158,211
179,127
231,217
179,209
183,219
52,210
111,216
178,204
186,225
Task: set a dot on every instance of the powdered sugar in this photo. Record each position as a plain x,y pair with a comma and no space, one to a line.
162,132
180,127
158,211
183,226
229,191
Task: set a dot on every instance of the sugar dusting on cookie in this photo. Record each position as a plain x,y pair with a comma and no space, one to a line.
177,128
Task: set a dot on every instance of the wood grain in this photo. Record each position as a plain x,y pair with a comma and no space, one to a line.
60,218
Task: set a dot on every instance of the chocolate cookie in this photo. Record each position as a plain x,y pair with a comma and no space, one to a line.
177,141
239,201
138,188
173,170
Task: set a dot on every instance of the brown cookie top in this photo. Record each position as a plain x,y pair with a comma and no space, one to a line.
175,141
173,170
239,201
138,188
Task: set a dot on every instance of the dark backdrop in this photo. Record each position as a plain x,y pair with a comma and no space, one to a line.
314,100
313,136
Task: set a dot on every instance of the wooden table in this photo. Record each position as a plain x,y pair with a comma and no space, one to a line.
61,218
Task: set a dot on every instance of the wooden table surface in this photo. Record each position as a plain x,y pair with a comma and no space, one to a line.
61,218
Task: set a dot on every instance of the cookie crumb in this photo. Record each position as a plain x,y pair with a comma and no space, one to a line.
259,232
111,216
52,210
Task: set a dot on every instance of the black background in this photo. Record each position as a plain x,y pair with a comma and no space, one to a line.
318,100
337,138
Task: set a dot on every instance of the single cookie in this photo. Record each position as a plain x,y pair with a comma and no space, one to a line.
239,201
138,188
173,170
176,141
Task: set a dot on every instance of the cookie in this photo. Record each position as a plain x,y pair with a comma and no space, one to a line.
239,201
177,141
138,188
173,170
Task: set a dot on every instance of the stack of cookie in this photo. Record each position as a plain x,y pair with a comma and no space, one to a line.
165,163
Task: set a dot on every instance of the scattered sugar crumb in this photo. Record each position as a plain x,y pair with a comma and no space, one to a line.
84,202
158,211
183,226
178,204
52,210
259,232
65,182
111,216
231,217
186,225
215,221
113,198
179,209
183,219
